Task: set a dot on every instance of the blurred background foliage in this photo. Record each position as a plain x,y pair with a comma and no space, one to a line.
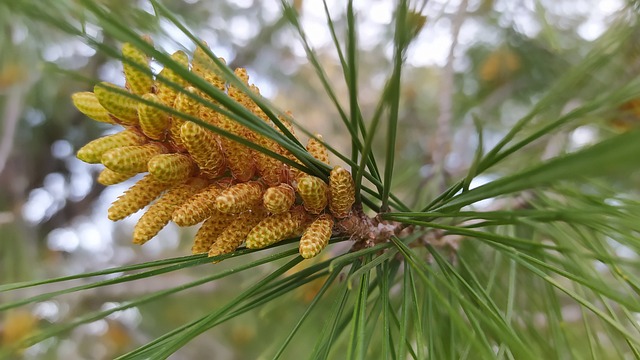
53,213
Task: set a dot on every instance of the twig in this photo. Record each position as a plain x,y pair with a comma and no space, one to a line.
443,133
440,239
10,115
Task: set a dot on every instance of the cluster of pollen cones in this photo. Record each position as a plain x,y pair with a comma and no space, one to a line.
194,176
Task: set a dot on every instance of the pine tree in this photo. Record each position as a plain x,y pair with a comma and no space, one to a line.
492,213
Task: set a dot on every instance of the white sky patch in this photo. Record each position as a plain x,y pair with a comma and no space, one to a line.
103,225
600,266
245,4
83,49
266,87
19,33
315,9
571,313
450,6
174,40
93,31
596,23
432,45
35,209
582,136
469,33
316,30
48,310
369,35
526,22
80,185
477,182
38,350
130,317
609,7
296,46
613,202
146,6
52,53
380,12
243,29
592,29
61,149
112,71
167,239
82,178
34,116
96,328
63,239
221,51
625,252
91,238
272,10
55,184
374,20
453,161
155,67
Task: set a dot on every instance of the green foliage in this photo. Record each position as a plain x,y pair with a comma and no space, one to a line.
550,269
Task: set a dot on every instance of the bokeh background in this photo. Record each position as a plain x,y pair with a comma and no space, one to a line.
494,56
